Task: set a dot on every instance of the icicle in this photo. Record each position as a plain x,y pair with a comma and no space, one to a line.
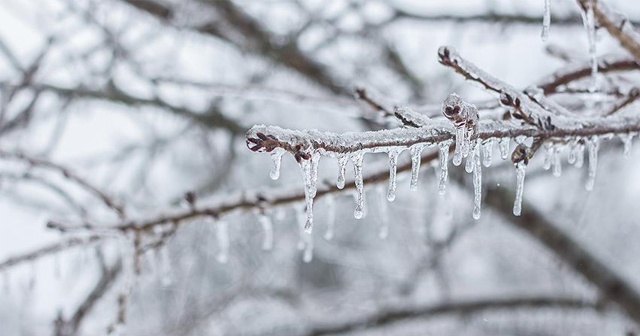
384,215
548,154
302,220
520,174
589,22
546,20
331,214
444,169
556,162
222,234
487,152
276,158
342,166
357,159
416,157
504,147
593,144
393,167
477,181
310,177
579,156
307,255
626,141
166,278
460,144
471,160
267,226
573,149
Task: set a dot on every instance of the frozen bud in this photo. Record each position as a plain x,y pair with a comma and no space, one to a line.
460,112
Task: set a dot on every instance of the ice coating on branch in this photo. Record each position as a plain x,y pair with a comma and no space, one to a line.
416,158
342,167
627,139
276,158
444,166
357,159
487,152
556,163
593,144
521,169
546,21
267,227
393,168
310,177
504,147
464,117
331,217
589,22
477,181
222,235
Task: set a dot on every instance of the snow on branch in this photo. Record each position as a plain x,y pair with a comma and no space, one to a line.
616,24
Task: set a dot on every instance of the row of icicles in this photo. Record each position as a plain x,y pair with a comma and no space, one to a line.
478,153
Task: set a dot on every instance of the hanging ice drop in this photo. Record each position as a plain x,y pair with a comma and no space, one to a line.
546,21
393,167
504,147
222,235
477,181
416,157
487,152
520,175
276,158
357,159
444,163
342,166
593,144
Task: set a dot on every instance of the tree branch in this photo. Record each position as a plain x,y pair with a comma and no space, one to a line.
394,315
611,285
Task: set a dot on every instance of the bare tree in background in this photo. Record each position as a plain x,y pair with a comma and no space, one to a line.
131,205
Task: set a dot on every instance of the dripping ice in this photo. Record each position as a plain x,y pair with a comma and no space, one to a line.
588,20
357,159
310,177
503,143
477,180
520,175
222,234
593,144
276,158
546,20
416,152
342,167
267,227
444,169
393,168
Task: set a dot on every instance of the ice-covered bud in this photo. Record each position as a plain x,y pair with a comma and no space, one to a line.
464,117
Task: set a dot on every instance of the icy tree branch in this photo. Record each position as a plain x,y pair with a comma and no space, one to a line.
404,314
108,201
617,25
611,285
48,250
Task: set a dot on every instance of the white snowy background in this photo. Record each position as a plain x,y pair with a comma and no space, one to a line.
149,157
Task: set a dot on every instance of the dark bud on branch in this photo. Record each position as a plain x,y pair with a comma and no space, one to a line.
263,143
